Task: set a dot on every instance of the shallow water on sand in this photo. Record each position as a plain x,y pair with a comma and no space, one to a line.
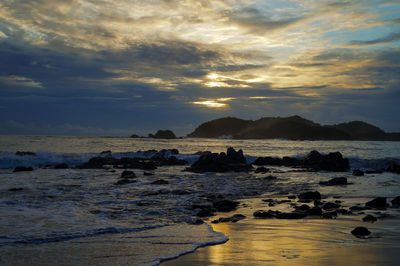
76,216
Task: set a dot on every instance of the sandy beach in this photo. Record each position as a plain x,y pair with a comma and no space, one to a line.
309,241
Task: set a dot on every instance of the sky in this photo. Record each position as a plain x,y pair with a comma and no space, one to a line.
118,67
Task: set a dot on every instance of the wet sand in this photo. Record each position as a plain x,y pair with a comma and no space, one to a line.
309,241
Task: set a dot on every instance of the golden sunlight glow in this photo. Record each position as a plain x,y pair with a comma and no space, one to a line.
211,104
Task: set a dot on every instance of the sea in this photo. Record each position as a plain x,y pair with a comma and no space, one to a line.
81,217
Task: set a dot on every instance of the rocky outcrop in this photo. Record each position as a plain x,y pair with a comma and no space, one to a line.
223,162
314,161
22,169
337,181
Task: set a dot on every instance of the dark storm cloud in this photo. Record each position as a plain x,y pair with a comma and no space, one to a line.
392,37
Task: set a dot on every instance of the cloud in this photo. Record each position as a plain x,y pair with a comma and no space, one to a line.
18,81
392,37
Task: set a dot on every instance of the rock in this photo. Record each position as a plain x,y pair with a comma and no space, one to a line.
22,169
330,206
310,195
292,197
360,231
128,174
358,208
232,219
303,207
337,181
180,192
214,162
393,168
396,201
290,215
329,214
163,134
333,161
197,221
269,177
369,218
205,212
125,181
268,161
358,172
344,212
225,205
315,211
263,214
61,166
16,189
261,169
160,182
377,203
25,153
106,152
147,173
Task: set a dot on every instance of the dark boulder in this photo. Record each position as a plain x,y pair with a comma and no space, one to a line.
205,212
268,161
344,212
261,169
333,161
330,214
160,182
25,153
369,218
61,166
377,203
128,174
225,205
360,231
214,162
16,189
358,208
358,172
290,215
314,211
292,197
263,214
337,181
22,169
147,174
396,201
124,181
310,195
330,206
235,218
393,168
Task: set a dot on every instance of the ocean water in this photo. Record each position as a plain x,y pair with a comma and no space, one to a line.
79,216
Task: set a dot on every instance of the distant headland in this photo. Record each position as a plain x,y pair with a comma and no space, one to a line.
293,127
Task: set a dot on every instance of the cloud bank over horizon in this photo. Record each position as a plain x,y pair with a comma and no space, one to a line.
84,67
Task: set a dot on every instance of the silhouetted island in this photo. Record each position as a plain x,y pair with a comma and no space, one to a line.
161,134
293,127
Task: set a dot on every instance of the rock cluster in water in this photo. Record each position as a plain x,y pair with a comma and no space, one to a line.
314,161
220,162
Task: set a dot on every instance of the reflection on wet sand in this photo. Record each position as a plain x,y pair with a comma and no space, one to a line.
297,242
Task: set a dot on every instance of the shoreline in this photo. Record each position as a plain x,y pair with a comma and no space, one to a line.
308,241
